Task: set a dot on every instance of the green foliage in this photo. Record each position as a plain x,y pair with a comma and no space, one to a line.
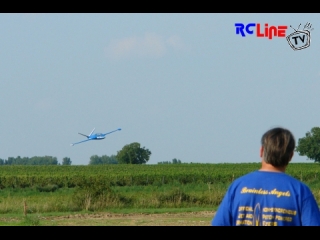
66,161
36,160
48,188
30,220
133,154
175,195
117,186
104,159
137,174
310,145
92,195
174,161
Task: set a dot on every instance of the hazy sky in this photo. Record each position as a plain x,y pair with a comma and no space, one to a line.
183,85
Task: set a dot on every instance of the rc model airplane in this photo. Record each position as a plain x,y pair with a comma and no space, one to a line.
96,136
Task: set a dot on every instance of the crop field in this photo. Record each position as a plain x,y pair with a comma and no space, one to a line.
19,176
116,189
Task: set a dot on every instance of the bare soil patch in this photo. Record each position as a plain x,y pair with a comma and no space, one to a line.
111,219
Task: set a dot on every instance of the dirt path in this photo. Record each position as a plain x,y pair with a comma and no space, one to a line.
108,219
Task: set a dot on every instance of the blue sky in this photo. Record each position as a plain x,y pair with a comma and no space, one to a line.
183,85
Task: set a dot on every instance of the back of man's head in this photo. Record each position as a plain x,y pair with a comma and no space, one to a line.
278,146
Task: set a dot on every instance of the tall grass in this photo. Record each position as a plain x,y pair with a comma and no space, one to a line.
12,200
94,198
104,198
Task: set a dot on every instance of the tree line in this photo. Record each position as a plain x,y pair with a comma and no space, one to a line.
174,161
130,154
36,160
135,154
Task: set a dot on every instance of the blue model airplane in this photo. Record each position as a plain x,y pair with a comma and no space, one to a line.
97,136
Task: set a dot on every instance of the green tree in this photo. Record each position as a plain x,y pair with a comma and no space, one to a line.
310,145
36,160
95,160
133,154
104,159
109,159
66,161
176,161
45,160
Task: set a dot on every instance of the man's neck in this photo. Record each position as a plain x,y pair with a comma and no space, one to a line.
269,168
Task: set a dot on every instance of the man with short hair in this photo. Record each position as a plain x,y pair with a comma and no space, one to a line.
269,197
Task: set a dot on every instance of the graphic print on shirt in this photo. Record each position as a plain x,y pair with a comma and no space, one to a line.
260,215
256,215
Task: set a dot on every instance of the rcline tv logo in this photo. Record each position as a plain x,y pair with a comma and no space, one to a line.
300,39
297,40
269,32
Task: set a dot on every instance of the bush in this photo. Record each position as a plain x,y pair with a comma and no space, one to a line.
91,196
31,221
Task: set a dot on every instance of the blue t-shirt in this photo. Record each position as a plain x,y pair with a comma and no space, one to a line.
265,198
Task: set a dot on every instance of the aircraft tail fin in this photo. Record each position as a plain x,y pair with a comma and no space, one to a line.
92,131
87,135
84,135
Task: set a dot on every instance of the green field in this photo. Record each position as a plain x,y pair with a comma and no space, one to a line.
132,188
135,175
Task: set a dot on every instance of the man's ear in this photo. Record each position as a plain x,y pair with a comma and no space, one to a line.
291,156
261,151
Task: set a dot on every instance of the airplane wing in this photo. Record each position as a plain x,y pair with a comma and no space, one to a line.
112,131
72,144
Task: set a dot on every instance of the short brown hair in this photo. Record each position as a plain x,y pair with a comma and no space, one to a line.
278,144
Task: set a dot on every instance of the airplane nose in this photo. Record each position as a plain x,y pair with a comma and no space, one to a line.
119,129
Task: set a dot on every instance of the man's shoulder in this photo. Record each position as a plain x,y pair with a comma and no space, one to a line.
255,174
268,176
243,179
